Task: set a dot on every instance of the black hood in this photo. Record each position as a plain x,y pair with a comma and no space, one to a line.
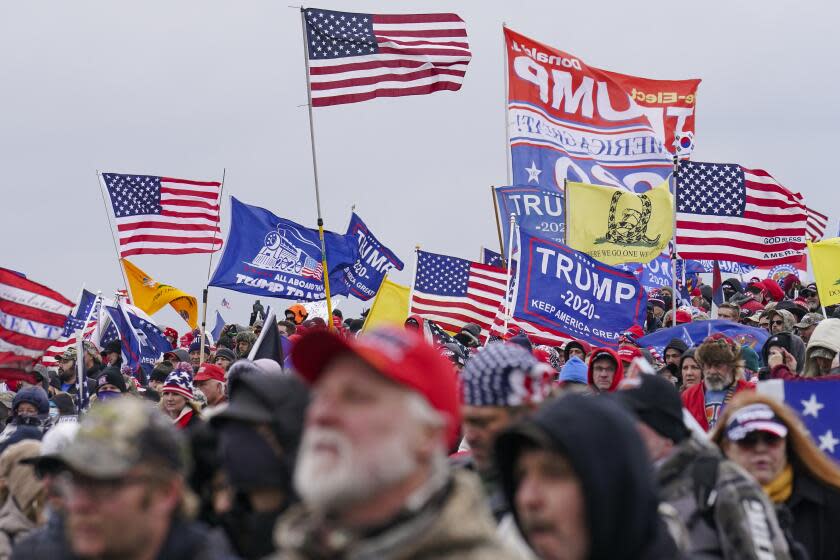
599,439
734,283
782,339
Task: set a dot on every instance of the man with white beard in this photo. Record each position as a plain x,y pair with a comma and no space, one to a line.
719,357
372,470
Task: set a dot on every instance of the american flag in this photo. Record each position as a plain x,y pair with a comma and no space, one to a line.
817,222
164,216
32,316
225,303
312,269
356,57
83,318
730,213
453,292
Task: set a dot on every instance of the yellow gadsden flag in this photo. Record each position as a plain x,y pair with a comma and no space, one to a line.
825,259
150,295
616,226
390,306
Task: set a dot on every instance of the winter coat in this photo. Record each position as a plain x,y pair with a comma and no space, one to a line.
816,516
599,440
459,527
825,335
13,526
43,542
728,529
619,368
694,400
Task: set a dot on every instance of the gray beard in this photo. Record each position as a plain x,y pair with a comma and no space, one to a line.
717,384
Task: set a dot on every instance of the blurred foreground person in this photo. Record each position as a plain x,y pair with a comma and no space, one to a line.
21,494
766,438
48,541
582,489
123,483
263,421
372,469
725,513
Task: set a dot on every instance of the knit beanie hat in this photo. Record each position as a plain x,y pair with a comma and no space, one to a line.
750,357
549,355
656,402
522,340
574,371
180,383
111,375
504,374
677,344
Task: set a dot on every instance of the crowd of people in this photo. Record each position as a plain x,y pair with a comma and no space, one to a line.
409,442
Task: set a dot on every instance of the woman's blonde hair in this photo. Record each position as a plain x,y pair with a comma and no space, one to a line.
803,453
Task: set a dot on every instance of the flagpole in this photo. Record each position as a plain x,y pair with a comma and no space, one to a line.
414,280
111,227
203,327
675,255
498,226
509,269
508,155
326,271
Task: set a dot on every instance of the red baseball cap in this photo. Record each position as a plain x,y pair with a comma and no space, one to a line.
209,371
399,355
628,353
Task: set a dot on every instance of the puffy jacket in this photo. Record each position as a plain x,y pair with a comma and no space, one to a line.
740,523
619,368
825,335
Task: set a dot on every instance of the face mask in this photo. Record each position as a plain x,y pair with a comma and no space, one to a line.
108,395
53,410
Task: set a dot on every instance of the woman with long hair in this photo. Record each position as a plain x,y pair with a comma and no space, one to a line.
767,439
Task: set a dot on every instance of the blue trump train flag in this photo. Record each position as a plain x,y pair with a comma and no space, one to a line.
696,332
273,257
364,276
538,211
565,290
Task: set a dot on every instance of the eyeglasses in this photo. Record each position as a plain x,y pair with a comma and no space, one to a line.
754,438
777,322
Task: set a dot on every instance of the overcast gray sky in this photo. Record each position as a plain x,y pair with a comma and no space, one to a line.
189,87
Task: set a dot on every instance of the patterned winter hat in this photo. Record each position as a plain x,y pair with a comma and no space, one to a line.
552,355
180,383
504,374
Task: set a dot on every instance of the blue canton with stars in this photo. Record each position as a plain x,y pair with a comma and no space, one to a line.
76,321
142,342
442,275
816,404
339,34
711,189
133,195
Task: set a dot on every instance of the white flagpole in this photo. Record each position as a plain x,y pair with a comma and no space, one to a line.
508,155
326,271
111,227
510,270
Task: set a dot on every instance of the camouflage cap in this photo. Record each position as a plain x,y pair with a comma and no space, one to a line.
809,320
90,348
115,436
69,354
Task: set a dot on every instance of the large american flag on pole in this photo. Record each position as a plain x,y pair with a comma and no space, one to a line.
727,212
356,57
453,292
164,216
32,316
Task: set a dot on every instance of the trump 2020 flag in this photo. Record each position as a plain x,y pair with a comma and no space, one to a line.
816,402
142,341
568,120
270,256
538,211
356,57
364,276
568,291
